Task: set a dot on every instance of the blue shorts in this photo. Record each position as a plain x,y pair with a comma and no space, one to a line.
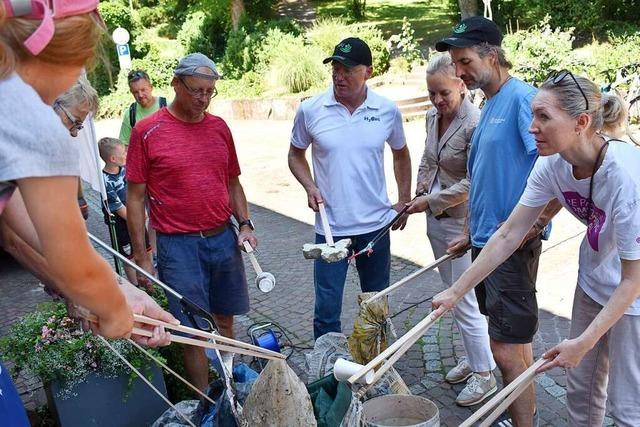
209,271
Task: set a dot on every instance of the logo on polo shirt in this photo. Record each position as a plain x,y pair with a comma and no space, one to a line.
371,119
345,48
496,120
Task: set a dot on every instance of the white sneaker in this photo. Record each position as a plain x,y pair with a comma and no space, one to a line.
459,373
477,389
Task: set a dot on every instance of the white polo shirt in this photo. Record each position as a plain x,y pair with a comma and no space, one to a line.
348,158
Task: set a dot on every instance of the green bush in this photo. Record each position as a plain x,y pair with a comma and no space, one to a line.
536,51
299,70
588,18
194,34
244,46
251,85
116,14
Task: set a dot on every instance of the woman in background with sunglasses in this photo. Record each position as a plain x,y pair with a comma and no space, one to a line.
598,181
40,59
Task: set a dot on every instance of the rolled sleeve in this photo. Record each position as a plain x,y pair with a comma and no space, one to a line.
627,223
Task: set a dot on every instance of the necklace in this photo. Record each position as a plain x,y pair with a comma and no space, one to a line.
595,167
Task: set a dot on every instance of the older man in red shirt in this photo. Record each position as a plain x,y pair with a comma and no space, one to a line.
183,161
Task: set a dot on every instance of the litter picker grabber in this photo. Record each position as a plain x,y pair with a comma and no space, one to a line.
369,248
194,312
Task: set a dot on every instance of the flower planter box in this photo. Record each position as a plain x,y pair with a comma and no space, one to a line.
100,401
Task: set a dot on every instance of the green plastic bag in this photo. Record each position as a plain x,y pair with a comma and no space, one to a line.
330,400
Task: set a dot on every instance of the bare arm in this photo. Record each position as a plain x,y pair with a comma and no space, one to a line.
240,209
76,267
31,258
569,353
551,210
122,212
136,194
499,247
402,173
300,169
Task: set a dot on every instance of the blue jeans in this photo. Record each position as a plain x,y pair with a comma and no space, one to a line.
209,271
329,278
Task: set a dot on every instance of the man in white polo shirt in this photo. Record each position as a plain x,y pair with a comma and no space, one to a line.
347,127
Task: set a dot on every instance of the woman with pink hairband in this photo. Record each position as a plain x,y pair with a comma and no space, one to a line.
44,46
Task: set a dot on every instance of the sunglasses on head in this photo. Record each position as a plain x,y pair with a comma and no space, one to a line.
556,77
137,75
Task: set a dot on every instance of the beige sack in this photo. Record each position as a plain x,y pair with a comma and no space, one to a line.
278,398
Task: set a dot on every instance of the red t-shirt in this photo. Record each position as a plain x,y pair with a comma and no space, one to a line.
186,167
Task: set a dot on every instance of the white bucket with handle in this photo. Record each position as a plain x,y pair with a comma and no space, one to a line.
400,410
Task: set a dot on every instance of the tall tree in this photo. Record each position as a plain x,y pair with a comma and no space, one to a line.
237,9
468,8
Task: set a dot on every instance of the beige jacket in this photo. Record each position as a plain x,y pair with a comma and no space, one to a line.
447,159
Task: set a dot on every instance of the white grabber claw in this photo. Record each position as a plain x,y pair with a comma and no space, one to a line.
265,281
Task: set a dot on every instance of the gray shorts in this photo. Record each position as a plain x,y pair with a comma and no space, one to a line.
508,295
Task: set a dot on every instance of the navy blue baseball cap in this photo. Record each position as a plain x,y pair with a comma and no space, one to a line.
351,51
470,32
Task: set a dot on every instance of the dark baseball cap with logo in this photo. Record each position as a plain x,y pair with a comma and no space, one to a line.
351,51
470,32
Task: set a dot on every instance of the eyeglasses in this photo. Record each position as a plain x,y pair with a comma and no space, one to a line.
137,75
344,71
558,76
200,92
75,123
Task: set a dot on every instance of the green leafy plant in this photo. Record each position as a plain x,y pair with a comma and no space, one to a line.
539,49
405,44
51,346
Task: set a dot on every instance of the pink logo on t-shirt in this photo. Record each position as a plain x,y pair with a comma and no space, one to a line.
580,206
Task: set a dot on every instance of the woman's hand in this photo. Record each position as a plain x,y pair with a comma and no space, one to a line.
419,204
141,303
459,245
443,302
567,354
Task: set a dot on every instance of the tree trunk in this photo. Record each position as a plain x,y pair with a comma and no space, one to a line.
468,8
237,9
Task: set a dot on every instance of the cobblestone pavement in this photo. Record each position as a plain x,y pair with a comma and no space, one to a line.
283,228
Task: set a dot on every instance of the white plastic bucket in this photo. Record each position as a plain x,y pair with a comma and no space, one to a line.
395,410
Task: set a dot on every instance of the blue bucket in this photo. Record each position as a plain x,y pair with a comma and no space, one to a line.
268,341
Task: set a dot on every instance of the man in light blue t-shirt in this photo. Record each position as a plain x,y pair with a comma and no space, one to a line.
501,157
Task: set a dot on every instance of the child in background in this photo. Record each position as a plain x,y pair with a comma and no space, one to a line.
114,153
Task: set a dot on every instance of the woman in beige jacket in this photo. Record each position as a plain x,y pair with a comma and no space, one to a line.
442,177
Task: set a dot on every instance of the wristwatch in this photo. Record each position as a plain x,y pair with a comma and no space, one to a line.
246,222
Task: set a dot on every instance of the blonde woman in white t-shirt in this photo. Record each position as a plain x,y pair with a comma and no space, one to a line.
597,180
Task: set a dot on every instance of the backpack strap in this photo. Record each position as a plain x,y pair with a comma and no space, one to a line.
132,114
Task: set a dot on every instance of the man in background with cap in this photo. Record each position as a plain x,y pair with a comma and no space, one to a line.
347,127
501,157
184,161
